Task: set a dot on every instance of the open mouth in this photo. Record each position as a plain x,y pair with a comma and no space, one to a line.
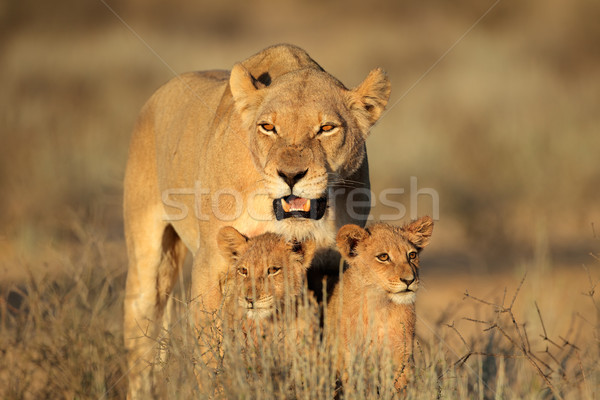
299,207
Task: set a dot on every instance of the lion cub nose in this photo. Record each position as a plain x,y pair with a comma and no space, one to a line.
291,177
408,282
250,301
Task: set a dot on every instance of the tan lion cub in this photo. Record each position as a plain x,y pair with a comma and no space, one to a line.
263,271
374,304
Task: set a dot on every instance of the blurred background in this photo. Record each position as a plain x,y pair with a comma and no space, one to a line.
495,106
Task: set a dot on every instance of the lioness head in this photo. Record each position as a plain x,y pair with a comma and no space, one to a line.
264,269
387,256
306,132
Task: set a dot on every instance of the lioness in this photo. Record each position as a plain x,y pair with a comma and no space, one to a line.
374,303
276,145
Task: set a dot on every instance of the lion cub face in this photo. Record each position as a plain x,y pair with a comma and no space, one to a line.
264,270
306,130
387,256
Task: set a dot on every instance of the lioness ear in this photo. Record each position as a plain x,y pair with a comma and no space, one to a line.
369,99
232,244
419,231
348,237
304,250
244,89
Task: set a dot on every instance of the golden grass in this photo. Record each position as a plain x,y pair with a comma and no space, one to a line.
500,338
504,128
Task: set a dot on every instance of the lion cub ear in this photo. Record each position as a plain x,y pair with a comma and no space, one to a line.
303,251
368,100
348,238
419,232
244,89
232,244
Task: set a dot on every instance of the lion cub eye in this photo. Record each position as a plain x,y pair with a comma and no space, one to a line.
383,257
267,129
273,270
242,271
412,255
326,129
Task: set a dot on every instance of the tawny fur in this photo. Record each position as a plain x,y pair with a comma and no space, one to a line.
373,305
265,272
198,161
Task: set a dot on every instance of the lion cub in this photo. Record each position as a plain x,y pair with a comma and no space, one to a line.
264,272
374,303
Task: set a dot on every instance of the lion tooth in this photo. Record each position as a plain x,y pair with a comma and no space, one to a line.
307,206
285,205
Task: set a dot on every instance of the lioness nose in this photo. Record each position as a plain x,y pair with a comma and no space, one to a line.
291,178
249,300
408,282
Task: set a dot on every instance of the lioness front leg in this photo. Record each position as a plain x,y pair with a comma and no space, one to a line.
206,304
156,257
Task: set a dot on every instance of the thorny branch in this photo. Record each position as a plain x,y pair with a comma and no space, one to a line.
519,340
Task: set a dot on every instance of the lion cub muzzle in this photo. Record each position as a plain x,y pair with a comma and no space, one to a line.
403,292
257,308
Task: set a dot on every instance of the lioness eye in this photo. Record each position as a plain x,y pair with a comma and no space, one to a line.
243,271
412,255
273,270
267,128
383,257
326,128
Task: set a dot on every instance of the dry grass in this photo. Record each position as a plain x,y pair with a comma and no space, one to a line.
503,349
505,128
62,328
61,337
